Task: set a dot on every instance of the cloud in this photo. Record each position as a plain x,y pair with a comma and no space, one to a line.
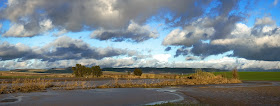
67,48
181,51
9,51
59,33
189,35
275,2
134,32
28,30
202,29
60,49
255,43
162,57
264,21
167,49
110,15
227,63
259,42
192,58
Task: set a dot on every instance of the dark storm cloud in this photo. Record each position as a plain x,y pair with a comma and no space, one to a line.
267,54
67,48
62,48
205,49
9,51
28,16
181,51
224,26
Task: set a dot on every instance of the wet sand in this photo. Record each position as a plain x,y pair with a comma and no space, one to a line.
247,93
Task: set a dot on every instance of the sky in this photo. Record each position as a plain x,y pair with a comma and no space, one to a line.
222,34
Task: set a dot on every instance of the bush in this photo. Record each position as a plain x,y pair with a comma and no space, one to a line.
137,72
235,74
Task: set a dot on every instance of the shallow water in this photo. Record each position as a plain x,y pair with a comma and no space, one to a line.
118,96
100,97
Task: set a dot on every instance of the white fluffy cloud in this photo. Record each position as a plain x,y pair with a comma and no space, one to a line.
223,63
162,57
260,42
20,30
264,21
190,34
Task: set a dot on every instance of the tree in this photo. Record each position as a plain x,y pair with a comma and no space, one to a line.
137,72
81,71
96,71
77,71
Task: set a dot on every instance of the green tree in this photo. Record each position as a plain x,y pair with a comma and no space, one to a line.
81,71
77,71
137,72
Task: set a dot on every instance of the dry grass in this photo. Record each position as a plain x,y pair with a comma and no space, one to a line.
12,75
71,85
143,76
3,87
200,77
25,85
106,74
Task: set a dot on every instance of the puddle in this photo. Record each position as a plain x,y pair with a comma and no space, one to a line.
99,97
170,91
9,100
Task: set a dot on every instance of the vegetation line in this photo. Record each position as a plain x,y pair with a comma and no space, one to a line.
31,85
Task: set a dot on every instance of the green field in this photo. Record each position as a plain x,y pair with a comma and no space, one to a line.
254,76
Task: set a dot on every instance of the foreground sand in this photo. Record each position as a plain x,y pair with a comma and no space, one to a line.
250,92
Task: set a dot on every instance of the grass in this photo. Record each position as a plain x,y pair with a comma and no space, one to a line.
253,76
16,77
25,85
22,75
37,84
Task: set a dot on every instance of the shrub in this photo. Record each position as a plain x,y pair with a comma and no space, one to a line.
137,72
235,74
